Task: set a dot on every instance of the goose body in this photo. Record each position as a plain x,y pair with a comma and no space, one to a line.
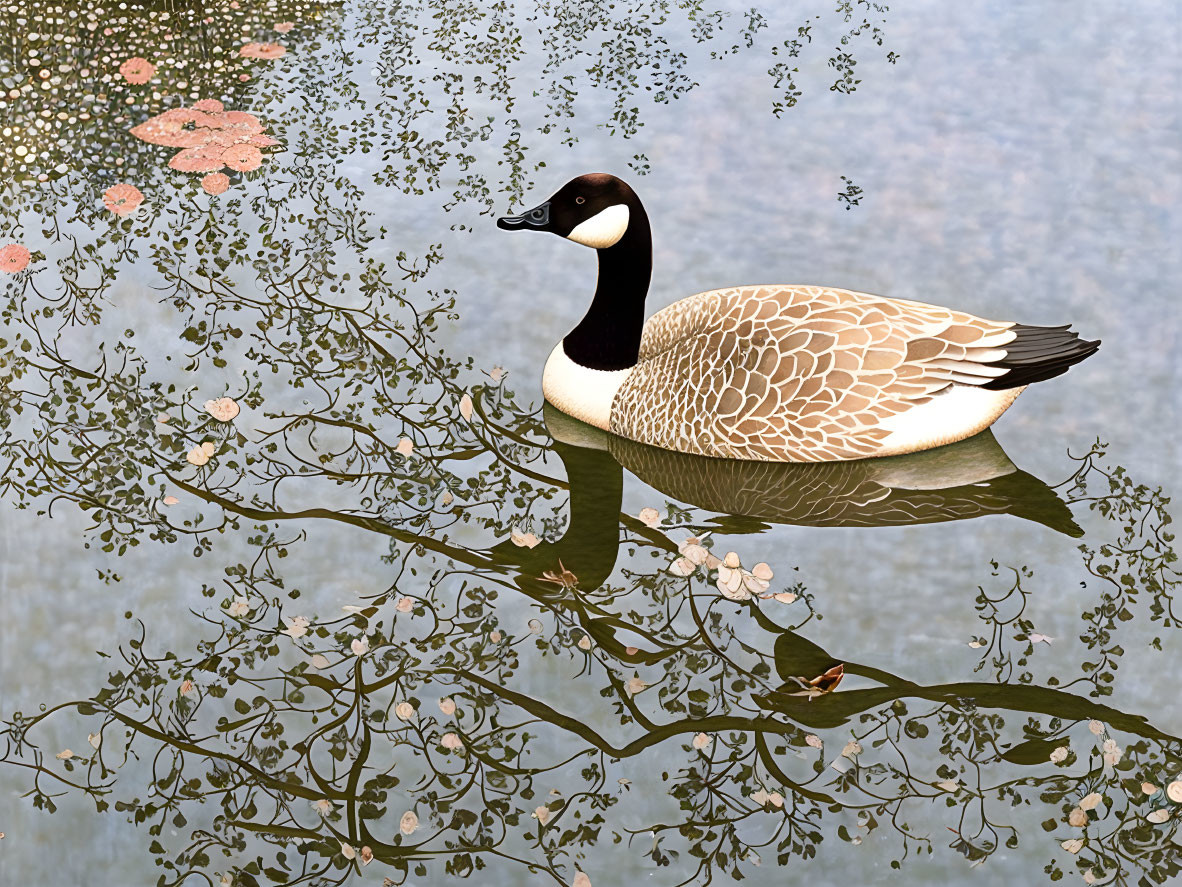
777,372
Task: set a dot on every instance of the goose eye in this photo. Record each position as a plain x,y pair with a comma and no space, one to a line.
580,200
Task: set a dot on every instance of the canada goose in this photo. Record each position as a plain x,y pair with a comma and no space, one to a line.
774,373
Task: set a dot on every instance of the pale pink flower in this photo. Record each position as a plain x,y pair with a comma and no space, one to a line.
238,607
137,71
262,50
284,27
451,741
215,183
359,645
209,105
224,409
243,158
199,158
447,705
13,258
405,711
404,605
122,199
408,823
186,687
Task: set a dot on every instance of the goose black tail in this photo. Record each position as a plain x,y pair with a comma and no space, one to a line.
1038,353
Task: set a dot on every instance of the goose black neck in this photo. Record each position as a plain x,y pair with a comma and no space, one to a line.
608,336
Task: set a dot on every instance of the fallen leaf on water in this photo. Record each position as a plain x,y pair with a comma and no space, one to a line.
466,408
408,823
224,409
822,684
562,576
523,540
650,517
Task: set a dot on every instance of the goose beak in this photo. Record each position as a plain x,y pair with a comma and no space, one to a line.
537,219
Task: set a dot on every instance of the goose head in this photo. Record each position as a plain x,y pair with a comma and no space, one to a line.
596,210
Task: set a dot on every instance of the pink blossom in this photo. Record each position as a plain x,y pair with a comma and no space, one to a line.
262,51
242,157
122,199
209,105
284,27
13,258
137,71
216,183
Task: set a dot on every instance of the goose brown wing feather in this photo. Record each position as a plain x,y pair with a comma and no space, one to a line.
795,373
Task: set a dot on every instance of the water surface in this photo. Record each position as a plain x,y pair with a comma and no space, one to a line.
249,679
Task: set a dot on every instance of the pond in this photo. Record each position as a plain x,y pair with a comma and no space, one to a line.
302,583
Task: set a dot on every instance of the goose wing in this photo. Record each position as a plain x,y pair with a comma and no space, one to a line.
797,373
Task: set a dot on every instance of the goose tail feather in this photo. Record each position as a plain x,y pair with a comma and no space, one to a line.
1039,353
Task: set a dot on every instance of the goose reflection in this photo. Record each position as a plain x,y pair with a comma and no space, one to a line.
970,479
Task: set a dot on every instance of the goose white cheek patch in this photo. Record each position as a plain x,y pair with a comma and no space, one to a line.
603,229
